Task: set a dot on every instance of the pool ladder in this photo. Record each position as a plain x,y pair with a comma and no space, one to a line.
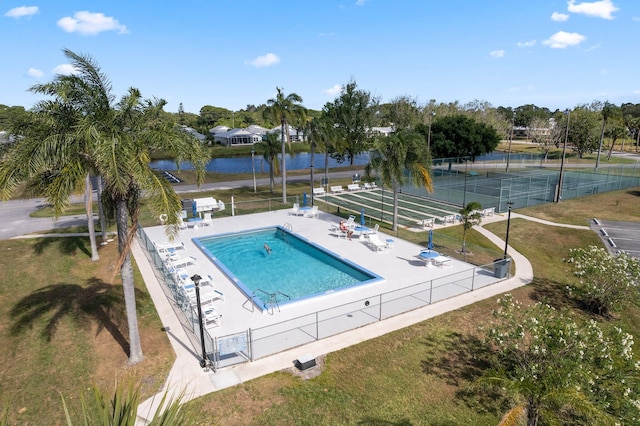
272,299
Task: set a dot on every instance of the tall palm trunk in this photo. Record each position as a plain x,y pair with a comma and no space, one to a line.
126,272
284,163
313,151
395,205
88,203
103,220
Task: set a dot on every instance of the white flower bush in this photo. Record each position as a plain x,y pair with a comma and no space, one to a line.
562,370
606,281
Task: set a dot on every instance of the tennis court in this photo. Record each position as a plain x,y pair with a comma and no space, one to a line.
456,185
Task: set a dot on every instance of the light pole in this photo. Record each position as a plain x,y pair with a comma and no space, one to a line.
513,124
196,281
253,168
433,114
506,242
564,150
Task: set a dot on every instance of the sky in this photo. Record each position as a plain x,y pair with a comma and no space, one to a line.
234,53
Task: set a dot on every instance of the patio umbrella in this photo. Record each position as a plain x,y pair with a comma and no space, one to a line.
304,199
430,242
362,217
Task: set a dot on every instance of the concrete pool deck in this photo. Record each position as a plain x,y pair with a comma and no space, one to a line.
400,266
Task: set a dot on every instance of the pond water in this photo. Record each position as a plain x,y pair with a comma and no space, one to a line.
298,162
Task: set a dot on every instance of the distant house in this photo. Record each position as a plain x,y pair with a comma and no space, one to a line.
237,137
382,131
294,135
194,133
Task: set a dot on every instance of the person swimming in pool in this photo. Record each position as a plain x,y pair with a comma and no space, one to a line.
267,248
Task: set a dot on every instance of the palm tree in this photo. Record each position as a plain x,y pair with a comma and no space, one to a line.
392,155
285,110
269,148
115,141
322,135
51,124
470,215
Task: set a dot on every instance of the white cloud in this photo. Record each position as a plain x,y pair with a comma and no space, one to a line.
529,43
333,90
497,53
559,17
35,73
636,18
561,40
361,2
598,9
89,23
65,69
19,12
265,60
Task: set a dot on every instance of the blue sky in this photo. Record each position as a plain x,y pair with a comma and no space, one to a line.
232,53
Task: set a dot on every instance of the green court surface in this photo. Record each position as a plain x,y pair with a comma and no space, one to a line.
378,205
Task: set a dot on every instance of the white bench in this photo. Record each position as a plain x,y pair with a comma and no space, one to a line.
426,223
353,187
318,191
442,261
337,188
488,212
368,185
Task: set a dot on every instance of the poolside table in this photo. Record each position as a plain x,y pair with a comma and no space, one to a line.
428,256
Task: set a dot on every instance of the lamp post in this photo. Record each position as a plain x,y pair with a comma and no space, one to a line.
253,168
433,114
564,150
196,281
513,124
506,242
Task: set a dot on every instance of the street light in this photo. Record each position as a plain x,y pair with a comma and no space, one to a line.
433,114
506,242
196,281
513,124
564,150
253,167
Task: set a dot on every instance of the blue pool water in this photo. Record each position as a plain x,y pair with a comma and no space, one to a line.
296,267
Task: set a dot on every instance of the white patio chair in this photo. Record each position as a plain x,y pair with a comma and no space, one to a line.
376,243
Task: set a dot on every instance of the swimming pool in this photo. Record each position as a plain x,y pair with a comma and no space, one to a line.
295,269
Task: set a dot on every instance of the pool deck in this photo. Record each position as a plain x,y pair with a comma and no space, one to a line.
400,266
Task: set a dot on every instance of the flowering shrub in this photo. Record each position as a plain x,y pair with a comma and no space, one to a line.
606,281
560,370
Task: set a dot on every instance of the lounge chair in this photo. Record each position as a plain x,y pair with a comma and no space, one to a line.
442,261
176,261
312,213
206,221
169,247
295,210
376,243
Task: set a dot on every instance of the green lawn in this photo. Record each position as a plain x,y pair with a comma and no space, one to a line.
417,375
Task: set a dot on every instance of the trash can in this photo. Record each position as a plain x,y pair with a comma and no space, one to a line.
501,267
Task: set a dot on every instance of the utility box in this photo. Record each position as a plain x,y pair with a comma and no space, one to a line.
501,267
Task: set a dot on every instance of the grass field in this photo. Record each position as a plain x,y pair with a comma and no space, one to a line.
417,375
